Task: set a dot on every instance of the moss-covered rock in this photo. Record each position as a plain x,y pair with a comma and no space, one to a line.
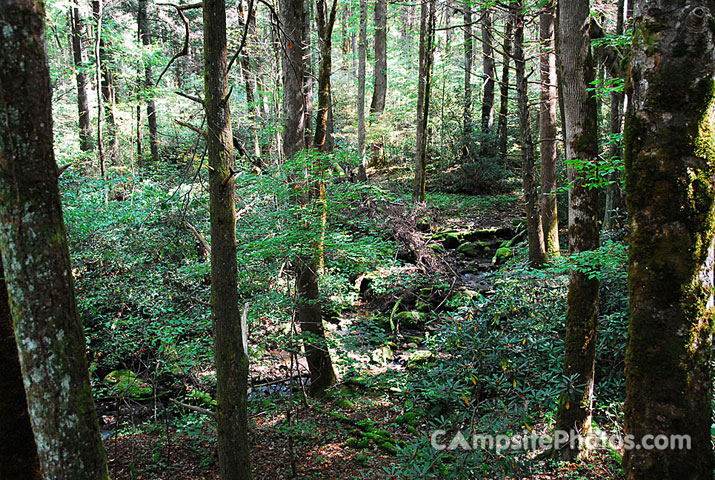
502,255
410,319
468,248
419,357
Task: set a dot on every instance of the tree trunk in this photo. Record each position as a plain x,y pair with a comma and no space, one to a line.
293,68
504,89
671,197
85,128
307,266
308,73
230,344
377,106
427,24
18,453
488,89
97,11
577,75
614,192
537,253
250,80
145,36
362,45
326,21
108,97
548,113
48,332
468,54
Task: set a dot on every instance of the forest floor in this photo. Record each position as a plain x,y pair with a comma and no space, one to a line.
354,431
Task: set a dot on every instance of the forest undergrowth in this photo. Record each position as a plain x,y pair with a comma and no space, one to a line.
434,318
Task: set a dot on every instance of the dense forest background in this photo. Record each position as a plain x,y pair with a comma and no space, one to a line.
431,233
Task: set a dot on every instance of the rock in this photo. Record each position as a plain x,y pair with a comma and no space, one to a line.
410,319
437,247
448,239
502,254
419,357
467,248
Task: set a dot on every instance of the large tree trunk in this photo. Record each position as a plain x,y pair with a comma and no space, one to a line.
614,193
488,89
85,128
18,453
250,78
326,21
377,106
97,11
537,253
307,266
230,344
427,23
502,131
548,113
670,162
145,36
293,68
468,54
577,75
362,46
308,72
48,332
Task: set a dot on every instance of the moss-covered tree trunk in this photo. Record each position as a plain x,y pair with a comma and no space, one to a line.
581,138
18,454
230,345
48,332
427,23
670,189
78,55
145,37
548,113
537,253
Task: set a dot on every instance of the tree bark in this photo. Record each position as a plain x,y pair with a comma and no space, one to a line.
427,24
145,36
581,134
502,130
18,454
377,106
230,344
362,46
488,88
468,54
85,128
48,332
537,253
670,162
548,114
105,85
